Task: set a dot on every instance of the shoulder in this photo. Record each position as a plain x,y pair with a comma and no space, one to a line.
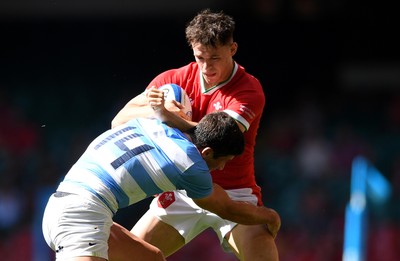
244,86
178,76
250,80
197,180
188,68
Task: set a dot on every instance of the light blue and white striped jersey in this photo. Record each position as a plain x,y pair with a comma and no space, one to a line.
137,160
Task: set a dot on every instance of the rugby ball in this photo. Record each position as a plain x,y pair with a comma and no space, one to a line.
175,92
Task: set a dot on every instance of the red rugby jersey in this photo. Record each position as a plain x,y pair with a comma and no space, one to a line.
243,98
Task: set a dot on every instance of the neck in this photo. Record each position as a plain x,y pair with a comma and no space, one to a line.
190,134
226,78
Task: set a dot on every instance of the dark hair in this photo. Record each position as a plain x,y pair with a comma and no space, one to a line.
220,132
210,29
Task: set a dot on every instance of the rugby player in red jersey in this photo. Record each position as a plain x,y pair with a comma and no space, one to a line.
214,82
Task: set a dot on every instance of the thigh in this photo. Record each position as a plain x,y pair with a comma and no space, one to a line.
253,243
123,245
158,233
173,220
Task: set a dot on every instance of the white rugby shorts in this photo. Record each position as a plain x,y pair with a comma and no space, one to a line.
76,226
179,211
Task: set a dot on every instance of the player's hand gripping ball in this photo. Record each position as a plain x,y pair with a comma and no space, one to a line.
173,92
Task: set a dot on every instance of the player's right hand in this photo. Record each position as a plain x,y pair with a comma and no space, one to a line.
155,99
275,225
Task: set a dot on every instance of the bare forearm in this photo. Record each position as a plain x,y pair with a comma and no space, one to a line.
128,113
173,120
247,214
135,108
239,212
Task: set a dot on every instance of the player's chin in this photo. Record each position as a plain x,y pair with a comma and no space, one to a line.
212,79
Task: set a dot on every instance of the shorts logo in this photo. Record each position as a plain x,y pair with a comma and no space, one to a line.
166,199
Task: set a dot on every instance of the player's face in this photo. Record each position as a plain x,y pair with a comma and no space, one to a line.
216,64
218,163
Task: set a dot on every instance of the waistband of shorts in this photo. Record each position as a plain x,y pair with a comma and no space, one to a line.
65,189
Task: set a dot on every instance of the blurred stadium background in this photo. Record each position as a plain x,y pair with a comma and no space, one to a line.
331,73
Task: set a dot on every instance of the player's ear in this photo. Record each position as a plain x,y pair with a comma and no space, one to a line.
207,153
234,47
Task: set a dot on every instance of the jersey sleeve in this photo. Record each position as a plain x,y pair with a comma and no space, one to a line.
246,106
197,181
181,76
162,79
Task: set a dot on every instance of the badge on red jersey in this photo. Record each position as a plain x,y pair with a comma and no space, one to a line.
166,199
217,106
